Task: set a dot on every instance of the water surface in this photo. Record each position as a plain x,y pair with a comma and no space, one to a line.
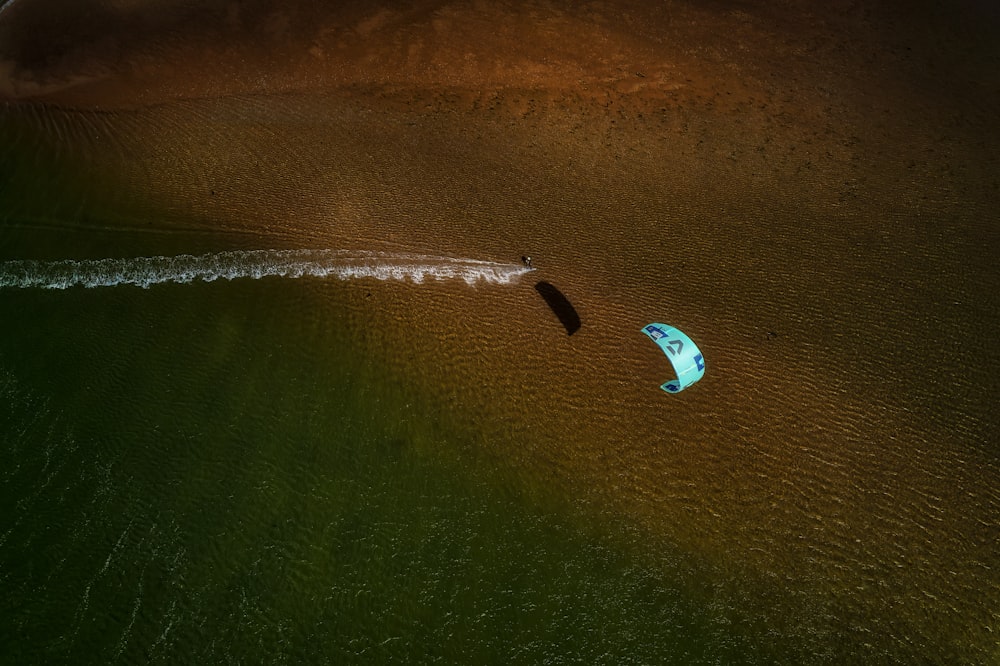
355,454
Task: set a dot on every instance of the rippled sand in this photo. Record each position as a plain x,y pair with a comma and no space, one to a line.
810,193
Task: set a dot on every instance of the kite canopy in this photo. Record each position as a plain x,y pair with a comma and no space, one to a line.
683,353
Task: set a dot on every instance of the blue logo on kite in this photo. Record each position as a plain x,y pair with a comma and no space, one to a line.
654,332
700,361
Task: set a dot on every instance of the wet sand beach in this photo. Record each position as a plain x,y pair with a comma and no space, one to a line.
810,193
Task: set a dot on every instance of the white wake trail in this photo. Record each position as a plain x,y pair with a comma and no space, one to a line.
343,264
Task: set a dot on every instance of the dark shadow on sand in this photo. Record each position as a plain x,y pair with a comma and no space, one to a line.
561,306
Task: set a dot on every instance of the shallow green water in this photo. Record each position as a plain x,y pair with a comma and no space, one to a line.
217,472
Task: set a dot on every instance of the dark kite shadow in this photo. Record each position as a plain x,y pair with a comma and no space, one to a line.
561,306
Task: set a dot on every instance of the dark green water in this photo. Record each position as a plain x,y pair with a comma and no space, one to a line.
187,479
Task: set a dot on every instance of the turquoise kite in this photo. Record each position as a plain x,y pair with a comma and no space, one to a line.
684,355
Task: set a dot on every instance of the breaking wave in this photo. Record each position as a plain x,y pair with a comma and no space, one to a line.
256,264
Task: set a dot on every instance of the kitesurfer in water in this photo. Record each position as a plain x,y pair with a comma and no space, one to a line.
526,260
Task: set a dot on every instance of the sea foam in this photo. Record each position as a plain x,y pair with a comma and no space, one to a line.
256,264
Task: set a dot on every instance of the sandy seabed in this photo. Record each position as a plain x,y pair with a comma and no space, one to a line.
810,193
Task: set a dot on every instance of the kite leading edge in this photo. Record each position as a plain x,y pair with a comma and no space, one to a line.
683,353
